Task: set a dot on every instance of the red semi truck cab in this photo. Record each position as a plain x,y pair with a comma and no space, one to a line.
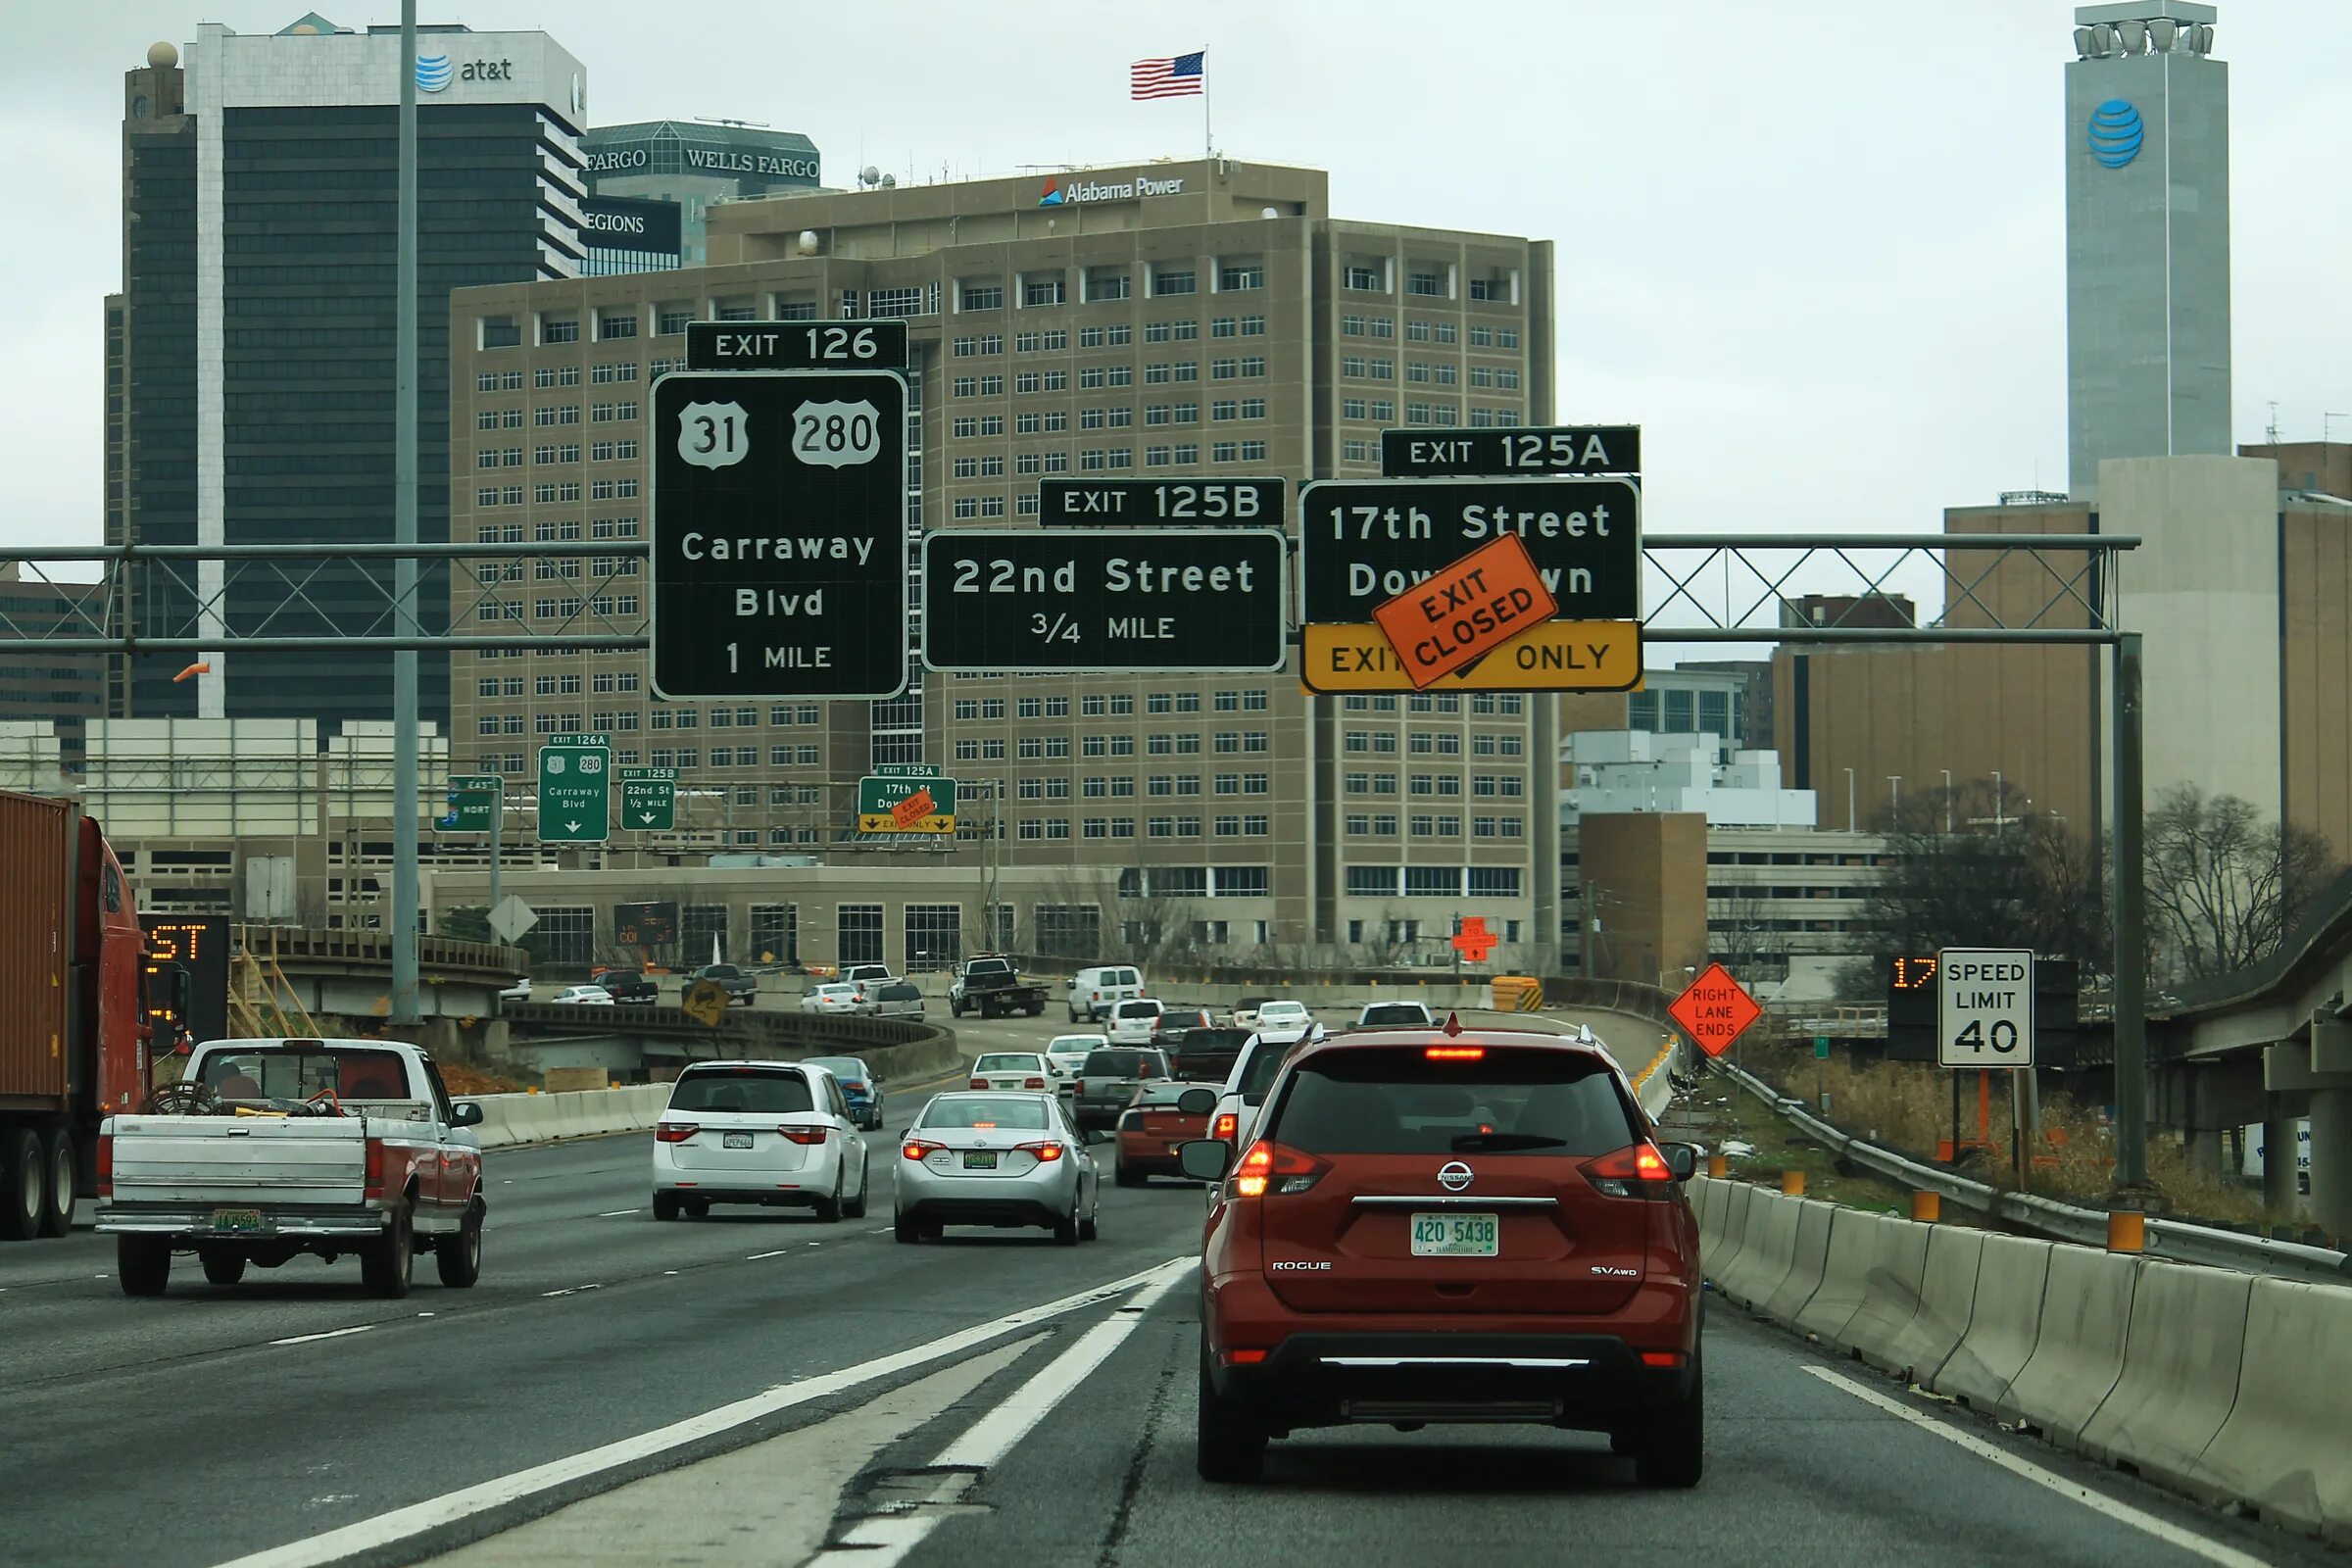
72,1020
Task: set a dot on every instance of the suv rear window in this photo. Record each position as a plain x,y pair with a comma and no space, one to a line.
1137,1009
1000,1062
903,990
746,1089
1398,1102
1020,1115
1125,1064
1396,1012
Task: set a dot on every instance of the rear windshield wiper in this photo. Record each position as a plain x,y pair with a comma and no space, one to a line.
1495,1143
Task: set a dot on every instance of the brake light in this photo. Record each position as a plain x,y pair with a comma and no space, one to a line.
1033,1083
1662,1358
674,1132
1271,1166
1638,1171
806,1135
1228,1127
1047,1152
371,1189
1455,1053
1243,1357
979,1083
916,1148
1078,1088
106,1165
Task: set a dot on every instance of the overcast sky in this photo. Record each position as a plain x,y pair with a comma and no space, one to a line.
1814,248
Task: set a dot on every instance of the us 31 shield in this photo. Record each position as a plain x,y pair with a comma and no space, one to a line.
713,436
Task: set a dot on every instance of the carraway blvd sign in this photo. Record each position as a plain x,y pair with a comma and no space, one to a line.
1985,1017
779,507
576,779
1715,1011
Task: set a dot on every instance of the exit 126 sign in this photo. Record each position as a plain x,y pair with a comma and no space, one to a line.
1715,1011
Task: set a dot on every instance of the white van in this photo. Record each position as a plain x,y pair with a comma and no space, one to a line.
1097,990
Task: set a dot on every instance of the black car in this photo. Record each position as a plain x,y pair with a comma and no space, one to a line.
630,990
738,986
1207,1055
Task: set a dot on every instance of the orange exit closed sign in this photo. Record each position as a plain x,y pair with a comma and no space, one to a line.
1465,612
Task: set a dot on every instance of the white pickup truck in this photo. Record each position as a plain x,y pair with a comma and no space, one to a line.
269,1148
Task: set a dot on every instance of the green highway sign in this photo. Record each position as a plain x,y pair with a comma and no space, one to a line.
649,799
473,803
576,780
900,803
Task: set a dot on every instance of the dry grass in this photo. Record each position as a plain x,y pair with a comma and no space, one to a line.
1908,1106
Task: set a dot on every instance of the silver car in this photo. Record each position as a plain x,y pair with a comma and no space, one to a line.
998,1158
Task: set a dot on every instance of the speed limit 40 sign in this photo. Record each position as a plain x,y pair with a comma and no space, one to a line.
1987,1017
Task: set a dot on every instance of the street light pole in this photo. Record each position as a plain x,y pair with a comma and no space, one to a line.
1947,800
1849,800
404,1004
2130,947
1896,808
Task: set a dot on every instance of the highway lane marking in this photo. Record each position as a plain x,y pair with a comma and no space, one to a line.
569,1290
616,1213
330,1334
402,1524
2097,1502
756,1257
887,1540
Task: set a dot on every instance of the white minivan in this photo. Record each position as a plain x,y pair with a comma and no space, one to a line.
1097,990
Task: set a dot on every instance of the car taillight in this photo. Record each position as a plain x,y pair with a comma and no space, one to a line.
1131,1121
371,1188
916,1148
1078,1088
675,1132
1228,1127
1456,1054
1047,1152
1637,1171
1033,1083
979,1083
106,1164
806,1135
1271,1167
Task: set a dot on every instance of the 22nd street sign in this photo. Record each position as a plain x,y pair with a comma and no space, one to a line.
649,798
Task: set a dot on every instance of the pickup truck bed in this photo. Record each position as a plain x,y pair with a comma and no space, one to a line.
994,989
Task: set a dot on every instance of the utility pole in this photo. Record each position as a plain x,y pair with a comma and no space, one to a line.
404,1007
2131,913
1947,800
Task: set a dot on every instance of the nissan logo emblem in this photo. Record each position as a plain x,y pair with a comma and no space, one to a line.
1454,1177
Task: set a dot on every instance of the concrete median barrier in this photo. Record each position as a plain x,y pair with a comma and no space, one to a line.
1718,1255
2180,1374
1706,1199
1806,1265
2004,1326
1767,1245
1947,1294
1870,1285
2079,1353
2282,1447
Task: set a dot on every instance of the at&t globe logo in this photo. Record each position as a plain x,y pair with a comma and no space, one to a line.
433,73
2115,132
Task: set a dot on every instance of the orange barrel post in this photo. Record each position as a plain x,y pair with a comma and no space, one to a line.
1718,1166
2127,1231
1927,1208
1792,1183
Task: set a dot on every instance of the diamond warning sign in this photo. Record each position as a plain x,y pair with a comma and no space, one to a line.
1715,1011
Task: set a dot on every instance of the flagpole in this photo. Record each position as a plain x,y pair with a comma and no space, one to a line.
1208,142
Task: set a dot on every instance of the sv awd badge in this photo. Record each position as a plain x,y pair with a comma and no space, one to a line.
1616,1273
1299,1267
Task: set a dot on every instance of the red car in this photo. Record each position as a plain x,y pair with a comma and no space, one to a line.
1449,1225
1153,1129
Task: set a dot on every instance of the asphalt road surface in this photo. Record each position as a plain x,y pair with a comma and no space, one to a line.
760,1388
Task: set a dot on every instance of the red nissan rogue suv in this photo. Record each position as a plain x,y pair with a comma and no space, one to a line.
1440,1225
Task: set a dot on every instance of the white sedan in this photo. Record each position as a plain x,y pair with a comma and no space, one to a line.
583,997
1281,1017
839,996
1066,1054
772,1133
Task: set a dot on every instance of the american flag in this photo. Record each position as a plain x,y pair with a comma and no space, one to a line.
1166,79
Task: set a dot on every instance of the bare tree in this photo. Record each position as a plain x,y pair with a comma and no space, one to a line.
2224,885
1968,873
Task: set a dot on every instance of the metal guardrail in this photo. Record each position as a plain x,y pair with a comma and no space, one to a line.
2045,1217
